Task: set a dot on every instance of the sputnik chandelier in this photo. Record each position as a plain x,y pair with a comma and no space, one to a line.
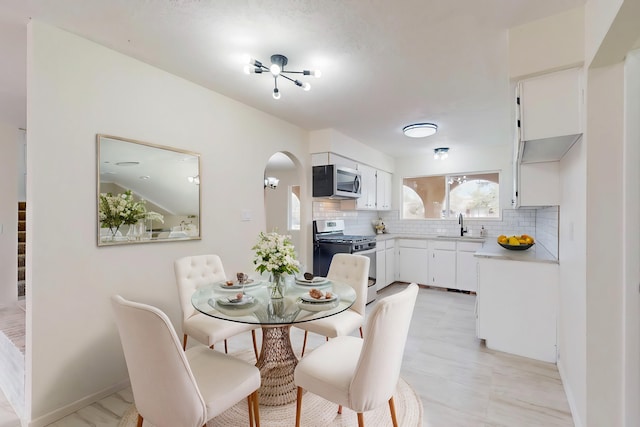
276,69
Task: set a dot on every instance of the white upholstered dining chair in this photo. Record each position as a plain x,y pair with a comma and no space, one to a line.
172,387
361,374
353,270
191,273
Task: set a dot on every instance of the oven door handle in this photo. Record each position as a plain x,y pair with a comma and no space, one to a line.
365,252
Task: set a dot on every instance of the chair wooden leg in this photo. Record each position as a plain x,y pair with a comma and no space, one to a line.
225,346
255,347
304,343
392,408
326,339
361,334
299,406
140,420
250,406
340,409
360,419
256,408
184,342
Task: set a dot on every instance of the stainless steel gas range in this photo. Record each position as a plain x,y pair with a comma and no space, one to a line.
329,239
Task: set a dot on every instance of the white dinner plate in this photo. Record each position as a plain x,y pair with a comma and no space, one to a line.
249,284
312,300
312,282
313,306
234,302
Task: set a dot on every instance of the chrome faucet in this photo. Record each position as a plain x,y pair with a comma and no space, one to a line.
461,222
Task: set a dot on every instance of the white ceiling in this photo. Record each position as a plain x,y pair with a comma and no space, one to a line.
385,64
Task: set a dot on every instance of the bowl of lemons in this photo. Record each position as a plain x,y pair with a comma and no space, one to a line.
516,243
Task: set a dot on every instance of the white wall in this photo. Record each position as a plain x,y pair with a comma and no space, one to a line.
599,15
547,44
632,243
572,317
10,145
605,114
77,89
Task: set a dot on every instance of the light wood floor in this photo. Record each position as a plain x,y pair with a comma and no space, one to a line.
460,381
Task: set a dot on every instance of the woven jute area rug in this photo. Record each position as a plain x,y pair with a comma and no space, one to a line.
316,412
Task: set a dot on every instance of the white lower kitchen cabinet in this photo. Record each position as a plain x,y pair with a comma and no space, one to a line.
466,268
442,264
381,265
413,266
517,307
390,262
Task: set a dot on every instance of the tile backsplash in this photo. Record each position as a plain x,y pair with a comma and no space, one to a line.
541,223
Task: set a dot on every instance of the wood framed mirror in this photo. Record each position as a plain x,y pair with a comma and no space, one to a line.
146,192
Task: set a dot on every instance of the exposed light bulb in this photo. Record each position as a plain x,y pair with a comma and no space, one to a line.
436,156
276,93
444,156
306,86
247,69
314,73
275,69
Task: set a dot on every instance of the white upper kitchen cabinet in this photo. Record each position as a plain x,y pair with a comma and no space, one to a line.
383,190
442,264
367,199
413,263
550,115
538,184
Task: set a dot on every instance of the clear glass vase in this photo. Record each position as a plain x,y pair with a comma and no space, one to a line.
277,286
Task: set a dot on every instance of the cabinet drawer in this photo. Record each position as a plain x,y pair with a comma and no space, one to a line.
412,243
469,246
446,245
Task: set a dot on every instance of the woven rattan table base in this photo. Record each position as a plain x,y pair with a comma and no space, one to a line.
277,363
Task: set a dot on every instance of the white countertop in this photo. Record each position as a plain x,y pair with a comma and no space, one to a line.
536,253
386,236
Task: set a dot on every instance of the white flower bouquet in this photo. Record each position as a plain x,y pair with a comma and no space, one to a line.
275,254
115,210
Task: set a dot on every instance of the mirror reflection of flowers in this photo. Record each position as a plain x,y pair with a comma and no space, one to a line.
115,210
275,254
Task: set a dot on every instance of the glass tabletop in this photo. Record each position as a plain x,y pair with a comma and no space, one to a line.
256,307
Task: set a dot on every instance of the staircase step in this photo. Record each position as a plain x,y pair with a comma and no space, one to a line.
21,273
22,248
22,236
22,206
22,261
22,225
22,216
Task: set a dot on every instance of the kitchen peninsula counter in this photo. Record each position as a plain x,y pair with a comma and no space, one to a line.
537,253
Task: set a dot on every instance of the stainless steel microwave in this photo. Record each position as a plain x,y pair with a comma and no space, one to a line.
336,182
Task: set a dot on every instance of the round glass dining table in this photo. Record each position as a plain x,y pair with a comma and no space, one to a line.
277,360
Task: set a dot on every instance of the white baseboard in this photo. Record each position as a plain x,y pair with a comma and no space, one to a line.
60,413
577,422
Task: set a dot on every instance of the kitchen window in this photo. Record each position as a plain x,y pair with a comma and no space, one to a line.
475,195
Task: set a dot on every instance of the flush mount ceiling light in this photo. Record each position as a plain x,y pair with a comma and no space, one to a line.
277,70
420,130
441,153
271,182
